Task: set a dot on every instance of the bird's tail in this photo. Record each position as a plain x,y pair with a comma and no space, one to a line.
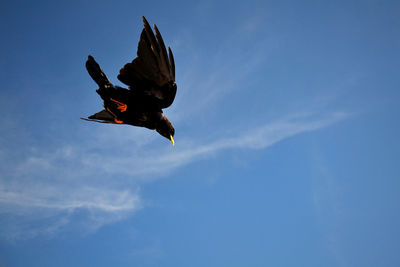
97,74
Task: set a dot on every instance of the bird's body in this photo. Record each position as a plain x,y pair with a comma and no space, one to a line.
151,80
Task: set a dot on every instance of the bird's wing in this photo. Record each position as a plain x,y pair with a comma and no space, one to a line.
153,70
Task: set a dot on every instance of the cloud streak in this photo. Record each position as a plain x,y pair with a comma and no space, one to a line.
102,186
256,138
57,206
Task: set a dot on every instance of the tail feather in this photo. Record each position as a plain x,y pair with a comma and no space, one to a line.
96,73
103,117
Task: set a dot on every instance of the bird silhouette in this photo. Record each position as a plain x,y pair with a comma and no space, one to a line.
151,80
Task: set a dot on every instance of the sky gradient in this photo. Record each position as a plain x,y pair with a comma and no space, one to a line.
286,147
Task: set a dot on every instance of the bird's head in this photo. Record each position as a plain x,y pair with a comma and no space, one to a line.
165,128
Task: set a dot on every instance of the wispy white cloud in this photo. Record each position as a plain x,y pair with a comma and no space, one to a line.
259,137
45,197
56,206
78,179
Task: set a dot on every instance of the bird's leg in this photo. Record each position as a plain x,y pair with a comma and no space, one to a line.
121,106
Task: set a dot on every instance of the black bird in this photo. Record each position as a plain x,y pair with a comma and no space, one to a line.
151,80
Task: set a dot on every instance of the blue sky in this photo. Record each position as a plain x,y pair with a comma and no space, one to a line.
287,136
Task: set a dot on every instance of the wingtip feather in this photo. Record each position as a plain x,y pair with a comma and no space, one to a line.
145,22
171,62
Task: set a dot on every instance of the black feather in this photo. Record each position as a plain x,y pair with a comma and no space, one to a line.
171,62
163,55
96,72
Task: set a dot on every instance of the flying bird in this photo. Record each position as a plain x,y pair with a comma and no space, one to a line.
151,80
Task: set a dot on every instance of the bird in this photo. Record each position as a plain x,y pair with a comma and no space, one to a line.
152,88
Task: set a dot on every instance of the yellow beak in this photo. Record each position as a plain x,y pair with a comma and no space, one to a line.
172,140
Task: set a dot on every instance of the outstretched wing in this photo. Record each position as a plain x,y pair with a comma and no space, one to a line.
153,70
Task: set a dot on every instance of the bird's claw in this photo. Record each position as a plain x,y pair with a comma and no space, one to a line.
121,106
